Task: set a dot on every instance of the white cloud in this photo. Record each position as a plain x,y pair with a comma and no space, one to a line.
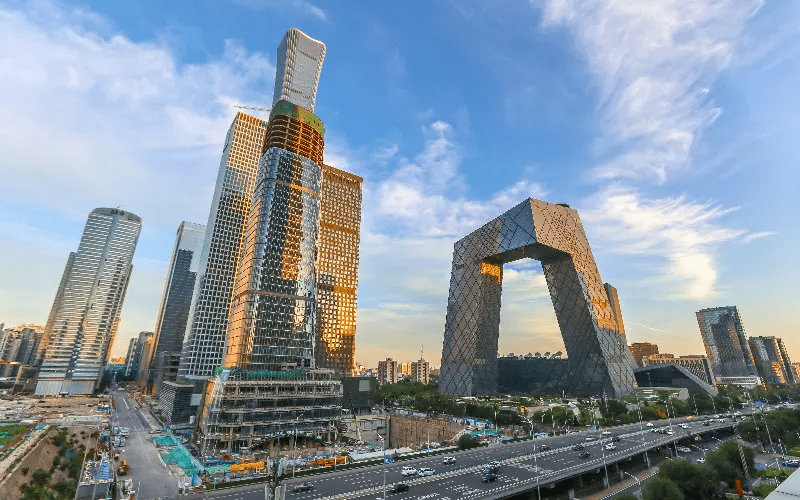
654,62
684,234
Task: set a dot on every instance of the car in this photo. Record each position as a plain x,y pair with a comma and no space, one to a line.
706,423
489,477
616,439
494,463
649,424
449,460
544,447
577,447
306,486
684,449
584,454
398,488
670,432
408,471
683,426
589,438
611,446
605,433
425,471
701,460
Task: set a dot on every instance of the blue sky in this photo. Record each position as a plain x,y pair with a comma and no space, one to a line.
671,125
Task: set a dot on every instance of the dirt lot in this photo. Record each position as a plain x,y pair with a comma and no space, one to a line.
42,457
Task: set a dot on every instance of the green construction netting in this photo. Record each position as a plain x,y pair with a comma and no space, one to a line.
182,458
166,441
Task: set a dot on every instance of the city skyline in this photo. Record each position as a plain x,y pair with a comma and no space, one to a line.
671,216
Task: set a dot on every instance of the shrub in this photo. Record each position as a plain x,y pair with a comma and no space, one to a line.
24,471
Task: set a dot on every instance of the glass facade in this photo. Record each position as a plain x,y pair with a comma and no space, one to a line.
599,361
771,360
726,342
176,301
51,318
86,319
337,270
204,341
297,69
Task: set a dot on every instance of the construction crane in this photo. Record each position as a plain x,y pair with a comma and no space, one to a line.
252,107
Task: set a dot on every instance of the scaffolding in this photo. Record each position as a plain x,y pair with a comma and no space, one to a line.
247,409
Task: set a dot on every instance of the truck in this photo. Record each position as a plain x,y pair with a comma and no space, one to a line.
123,468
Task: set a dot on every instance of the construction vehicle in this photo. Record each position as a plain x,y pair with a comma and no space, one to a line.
123,468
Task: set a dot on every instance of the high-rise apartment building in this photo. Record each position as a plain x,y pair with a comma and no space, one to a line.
86,320
130,355
726,342
405,369
387,371
204,341
420,371
642,351
175,302
796,370
19,344
337,270
695,364
771,360
134,359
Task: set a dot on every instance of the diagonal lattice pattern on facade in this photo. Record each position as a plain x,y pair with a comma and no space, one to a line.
598,363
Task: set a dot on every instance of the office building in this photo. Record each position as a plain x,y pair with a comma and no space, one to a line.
134,359
726,342
420,371
175,302
598,361
87,318
269,386
204,340
642,351
796,370
698,366
771,360
175,400
387,371
337,283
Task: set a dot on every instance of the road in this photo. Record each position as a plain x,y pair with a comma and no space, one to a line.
149,476
521,467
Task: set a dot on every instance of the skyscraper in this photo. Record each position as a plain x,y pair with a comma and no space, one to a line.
175,301
270,378
642,351
48,327
204,341
725,342
87,316
771,360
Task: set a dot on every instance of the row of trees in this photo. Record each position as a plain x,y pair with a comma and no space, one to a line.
684,480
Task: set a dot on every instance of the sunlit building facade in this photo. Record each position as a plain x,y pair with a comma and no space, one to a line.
204,341
642,351
598,363
337,283
176,301
86,320
696,365
59,300
771,360
726,342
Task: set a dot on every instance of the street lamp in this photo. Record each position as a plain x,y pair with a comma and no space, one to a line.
639,483
383,445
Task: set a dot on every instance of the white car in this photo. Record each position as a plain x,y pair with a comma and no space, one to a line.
649,424
701,460
611,446
424,471
669,431
449,460
408,471
683,426
684,449
605,433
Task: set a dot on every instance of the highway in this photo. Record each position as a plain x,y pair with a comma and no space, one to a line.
520,470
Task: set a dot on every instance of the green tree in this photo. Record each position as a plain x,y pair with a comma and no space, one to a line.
467,442
626,496
696,482
727,463
661,489
40,477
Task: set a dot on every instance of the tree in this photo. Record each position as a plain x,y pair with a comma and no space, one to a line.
467,442
40,477
727,463
626,496
696,482
661,489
